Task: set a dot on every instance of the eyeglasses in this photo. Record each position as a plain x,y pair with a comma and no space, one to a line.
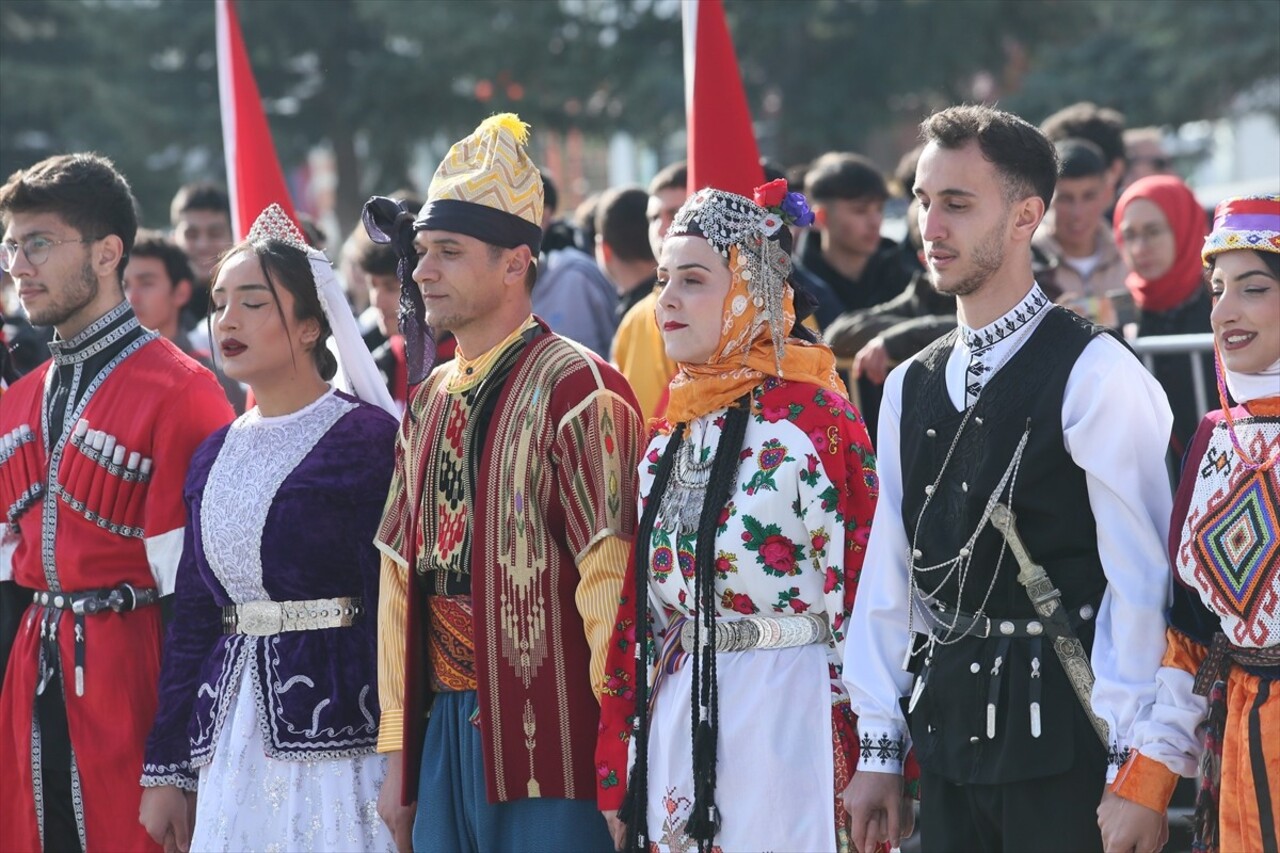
36,249
1149,234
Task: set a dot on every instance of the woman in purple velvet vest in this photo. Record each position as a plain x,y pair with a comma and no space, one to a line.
267,724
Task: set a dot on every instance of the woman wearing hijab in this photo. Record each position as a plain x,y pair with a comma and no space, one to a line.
757,490
1160,229
1217,705
267,723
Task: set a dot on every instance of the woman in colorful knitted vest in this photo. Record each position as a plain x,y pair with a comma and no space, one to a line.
1217,707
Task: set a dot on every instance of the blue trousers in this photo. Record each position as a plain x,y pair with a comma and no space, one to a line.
455,815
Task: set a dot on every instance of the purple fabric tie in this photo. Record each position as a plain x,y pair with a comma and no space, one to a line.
389,221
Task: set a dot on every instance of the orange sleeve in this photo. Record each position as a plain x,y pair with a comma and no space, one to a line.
1145,781
1183,652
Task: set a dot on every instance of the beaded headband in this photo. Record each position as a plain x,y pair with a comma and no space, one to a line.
1252,222
726,220
274,224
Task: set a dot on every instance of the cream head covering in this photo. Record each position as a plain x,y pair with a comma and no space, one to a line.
488,188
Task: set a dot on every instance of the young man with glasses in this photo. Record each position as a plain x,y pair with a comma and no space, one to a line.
94,446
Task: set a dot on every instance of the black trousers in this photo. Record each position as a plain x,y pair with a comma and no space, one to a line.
1054,813
60,833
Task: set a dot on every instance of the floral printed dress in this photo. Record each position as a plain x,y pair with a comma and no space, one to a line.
790,541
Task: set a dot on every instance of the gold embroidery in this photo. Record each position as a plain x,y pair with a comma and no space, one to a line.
521,549
469,373
531,729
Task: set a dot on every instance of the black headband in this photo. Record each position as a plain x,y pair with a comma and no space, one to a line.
480,221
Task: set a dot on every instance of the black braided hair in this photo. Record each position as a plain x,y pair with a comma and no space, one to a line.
635,805
704,820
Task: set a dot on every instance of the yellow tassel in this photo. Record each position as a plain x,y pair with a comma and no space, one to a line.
510,121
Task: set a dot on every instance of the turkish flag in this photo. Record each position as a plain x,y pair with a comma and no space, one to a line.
254,177
722,143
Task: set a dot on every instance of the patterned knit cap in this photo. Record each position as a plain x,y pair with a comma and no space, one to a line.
1252,222
488,188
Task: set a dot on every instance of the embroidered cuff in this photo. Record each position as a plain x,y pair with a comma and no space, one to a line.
1145,781
881,751
179,775
391,730
1116,757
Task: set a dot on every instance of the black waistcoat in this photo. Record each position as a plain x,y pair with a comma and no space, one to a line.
1050,499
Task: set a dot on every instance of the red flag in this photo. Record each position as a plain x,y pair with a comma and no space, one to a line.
254,178
722,143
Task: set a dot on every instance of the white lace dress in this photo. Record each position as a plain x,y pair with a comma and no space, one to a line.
247,800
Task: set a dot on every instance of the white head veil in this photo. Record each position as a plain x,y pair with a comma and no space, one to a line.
357,374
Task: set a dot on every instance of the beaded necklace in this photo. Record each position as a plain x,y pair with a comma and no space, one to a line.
681,502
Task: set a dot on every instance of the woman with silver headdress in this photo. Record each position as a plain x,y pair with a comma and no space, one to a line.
268,712
758,490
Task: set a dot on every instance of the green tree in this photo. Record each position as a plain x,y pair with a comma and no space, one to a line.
375,79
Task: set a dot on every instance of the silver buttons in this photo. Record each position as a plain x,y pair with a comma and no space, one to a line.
964,487
1086,612
1006,628
973,739
1034,628
975,667
964,552
928,490
932,433
917,553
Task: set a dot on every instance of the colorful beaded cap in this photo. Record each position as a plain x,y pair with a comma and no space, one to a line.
1252,222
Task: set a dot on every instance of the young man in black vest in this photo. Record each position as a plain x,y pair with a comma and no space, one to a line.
1024,407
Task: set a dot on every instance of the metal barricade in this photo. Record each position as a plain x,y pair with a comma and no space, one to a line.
1190,345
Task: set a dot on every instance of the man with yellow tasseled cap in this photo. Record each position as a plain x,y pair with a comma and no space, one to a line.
505,535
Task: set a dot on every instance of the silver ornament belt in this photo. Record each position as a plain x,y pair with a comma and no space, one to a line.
265,618
761,632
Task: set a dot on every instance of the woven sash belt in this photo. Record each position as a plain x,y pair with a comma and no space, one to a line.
451,647
1222,654
265,618
762,632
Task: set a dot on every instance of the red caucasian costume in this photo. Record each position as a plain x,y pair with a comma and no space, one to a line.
96,443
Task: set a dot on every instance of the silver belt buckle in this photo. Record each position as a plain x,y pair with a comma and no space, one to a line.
259,618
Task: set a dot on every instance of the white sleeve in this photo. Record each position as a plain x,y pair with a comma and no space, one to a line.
1168,734
876,642
1116,424
8,545
163,553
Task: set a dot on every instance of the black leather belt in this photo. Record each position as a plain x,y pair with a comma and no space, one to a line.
120,599
958,623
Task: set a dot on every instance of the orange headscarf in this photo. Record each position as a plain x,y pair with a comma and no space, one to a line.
746,355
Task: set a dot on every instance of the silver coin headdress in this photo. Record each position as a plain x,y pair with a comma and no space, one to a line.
726,220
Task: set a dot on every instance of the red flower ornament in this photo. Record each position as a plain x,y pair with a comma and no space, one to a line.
771,194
